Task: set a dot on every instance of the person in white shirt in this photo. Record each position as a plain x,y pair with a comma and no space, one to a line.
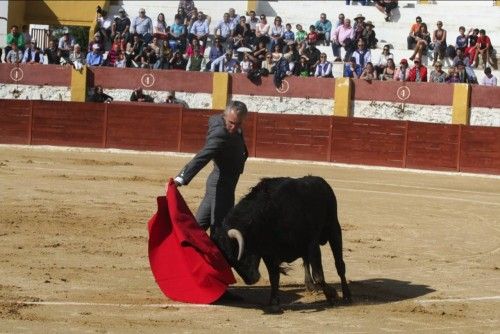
246,64
489,79
324,67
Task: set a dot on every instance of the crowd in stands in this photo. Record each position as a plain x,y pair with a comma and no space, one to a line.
250,44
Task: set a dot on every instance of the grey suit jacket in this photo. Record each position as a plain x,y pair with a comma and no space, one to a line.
228,152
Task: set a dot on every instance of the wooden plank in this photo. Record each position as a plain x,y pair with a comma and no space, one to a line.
15,122
480,149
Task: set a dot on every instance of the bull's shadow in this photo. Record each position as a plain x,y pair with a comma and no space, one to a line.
365,292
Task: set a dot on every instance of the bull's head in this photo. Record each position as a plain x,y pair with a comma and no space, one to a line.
232,244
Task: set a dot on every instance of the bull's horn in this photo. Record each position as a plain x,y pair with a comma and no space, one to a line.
235,234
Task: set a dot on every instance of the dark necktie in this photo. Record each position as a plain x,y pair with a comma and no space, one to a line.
29,55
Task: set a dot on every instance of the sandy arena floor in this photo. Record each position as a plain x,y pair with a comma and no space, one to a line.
422,249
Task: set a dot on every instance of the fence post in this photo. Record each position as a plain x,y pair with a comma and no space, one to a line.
79,84
342,97
220,90
461,104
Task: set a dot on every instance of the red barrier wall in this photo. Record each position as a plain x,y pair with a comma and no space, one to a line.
35,74
322,138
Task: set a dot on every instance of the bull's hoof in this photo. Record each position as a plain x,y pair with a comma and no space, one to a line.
311,287
347,300
273,309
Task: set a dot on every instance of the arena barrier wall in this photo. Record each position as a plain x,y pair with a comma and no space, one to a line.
155,127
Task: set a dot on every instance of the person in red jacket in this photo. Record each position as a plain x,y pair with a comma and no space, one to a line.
418,73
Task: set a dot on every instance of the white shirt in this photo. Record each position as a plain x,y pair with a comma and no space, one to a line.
489,81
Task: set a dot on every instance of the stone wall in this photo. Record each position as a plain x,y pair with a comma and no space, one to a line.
35,92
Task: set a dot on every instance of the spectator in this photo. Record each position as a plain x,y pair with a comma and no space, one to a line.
224,29
293,56
288,36
52,54
340,21
246,64
343,37
177,35
171,99
163,61
199,29
268,64
252,21
369,73
216,51
26,33
483,49
224,63
362,54
155,45
76,57
104,24
302,68
389,71
148,57
14,37
312,55
438,75
259,54
403,72
439,42
32,54
383,59
461,40
262,30
359,26
134,51
415,28
99,96
196,62
352,70
301,35
418,73
195,43
143,26
233,17
112,56
187,6
121,60
242,35
15,55
488,79
386,7
94,58
423,38
324,67
312,36
178,62
276,33
121,24
96,40
452,75
119,41
324,29
161,29
277,53
461,57
361,2
463,75
281,70
139,96
66,44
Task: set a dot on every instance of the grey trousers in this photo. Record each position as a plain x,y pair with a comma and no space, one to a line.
218,200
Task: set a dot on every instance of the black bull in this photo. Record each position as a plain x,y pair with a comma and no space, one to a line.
280,220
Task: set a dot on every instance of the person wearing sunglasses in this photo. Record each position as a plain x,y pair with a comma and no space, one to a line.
410,40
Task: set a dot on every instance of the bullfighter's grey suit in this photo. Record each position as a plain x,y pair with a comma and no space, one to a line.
229,153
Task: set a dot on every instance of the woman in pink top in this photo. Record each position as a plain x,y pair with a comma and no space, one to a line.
262,30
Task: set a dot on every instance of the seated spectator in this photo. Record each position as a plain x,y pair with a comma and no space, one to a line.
343,37
187,7
242,35
142,26
195,43
259,54
99,96
418,73
139,96
488,79
199,29
268,64
324,67
439,42
340,21
359,26
224,63
281,70
94,58
362,54
452,75
403,72
253,20
112,56
77,57
26,33
216,51
32,54
121,24
160,30
277,53
177,35
14,37
121,60
66,44
235,18
312,36
300,35
178,62
148,57
96,40
119,42
461,40
463,75
438,75
423,38
383,58
415,28
52,54
369,35
196,62
164,58
470,51
15,56
224,29
461,57
302,68
483,50
369,73
171,99
276,34
324,29
288,37
246,64
104,23
352,70
262,30
386,7
312,55
389,71
293,56
156,46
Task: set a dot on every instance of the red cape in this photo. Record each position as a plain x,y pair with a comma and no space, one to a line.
186,264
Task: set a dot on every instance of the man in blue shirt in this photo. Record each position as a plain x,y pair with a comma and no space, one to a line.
143,26
352,70
199,29
324,29
94,58
224,28
177,35
224,63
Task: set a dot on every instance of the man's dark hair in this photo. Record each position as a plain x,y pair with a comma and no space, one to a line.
487,70
14,26
482,31
238,107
